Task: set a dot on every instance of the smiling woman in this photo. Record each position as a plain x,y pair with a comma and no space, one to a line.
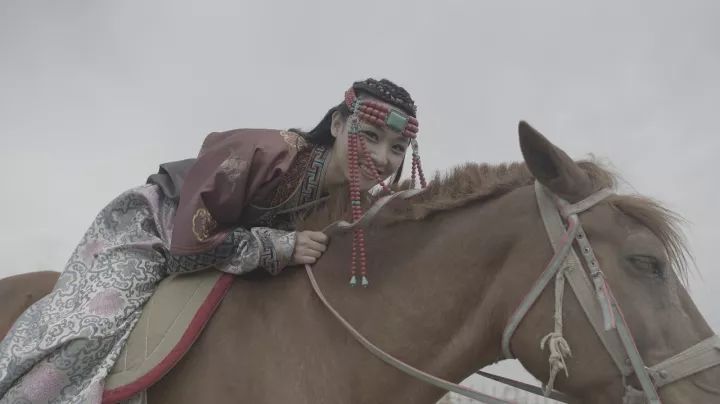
232,208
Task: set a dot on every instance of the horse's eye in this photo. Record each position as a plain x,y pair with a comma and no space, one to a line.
648,264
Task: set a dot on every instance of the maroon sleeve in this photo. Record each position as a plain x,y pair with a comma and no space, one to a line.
232,169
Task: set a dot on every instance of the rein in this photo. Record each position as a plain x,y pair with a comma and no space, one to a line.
379,353
593,293
397,363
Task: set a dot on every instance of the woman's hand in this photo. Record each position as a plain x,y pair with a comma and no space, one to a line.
309,246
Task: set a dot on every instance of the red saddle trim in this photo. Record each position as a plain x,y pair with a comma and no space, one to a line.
203,315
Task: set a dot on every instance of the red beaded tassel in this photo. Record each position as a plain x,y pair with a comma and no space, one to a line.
413,176
416,166
358,249
377,114
416,163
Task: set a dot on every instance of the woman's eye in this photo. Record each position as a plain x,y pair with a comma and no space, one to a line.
648,264
399,149
371,136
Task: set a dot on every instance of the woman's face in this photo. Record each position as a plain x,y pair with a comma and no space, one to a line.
383,145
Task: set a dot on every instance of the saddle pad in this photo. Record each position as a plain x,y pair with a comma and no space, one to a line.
169,324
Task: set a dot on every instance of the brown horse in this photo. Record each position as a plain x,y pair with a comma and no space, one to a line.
20,291
447,269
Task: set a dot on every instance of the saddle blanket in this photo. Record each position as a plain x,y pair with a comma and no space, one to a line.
169,324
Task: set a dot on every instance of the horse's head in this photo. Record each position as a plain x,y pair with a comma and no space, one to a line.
641,253
477,247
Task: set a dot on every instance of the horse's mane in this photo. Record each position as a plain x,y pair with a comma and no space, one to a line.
475,183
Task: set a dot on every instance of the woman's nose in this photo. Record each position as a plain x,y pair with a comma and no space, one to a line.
379,157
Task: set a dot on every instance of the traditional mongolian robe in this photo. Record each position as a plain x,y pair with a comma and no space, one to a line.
231,209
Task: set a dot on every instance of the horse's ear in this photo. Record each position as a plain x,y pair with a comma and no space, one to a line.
551,166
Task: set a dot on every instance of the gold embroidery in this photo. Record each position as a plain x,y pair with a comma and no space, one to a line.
295,141
233,167
203,224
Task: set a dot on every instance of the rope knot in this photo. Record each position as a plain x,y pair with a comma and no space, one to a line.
559,349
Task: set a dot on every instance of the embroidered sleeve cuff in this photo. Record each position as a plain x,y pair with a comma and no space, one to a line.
237,252
276,250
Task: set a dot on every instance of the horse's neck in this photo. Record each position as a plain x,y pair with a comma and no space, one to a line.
435,298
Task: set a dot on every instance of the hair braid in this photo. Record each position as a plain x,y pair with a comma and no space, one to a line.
389,92
384,90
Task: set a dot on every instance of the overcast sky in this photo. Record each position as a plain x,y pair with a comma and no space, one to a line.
95,94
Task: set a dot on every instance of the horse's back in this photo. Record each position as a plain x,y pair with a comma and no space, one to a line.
19,292
262,334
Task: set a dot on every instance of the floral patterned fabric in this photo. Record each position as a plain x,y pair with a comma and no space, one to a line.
62,348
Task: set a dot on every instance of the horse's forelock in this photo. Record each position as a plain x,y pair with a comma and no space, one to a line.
664,224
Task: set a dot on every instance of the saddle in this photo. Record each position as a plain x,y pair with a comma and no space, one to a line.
176,314
169,324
